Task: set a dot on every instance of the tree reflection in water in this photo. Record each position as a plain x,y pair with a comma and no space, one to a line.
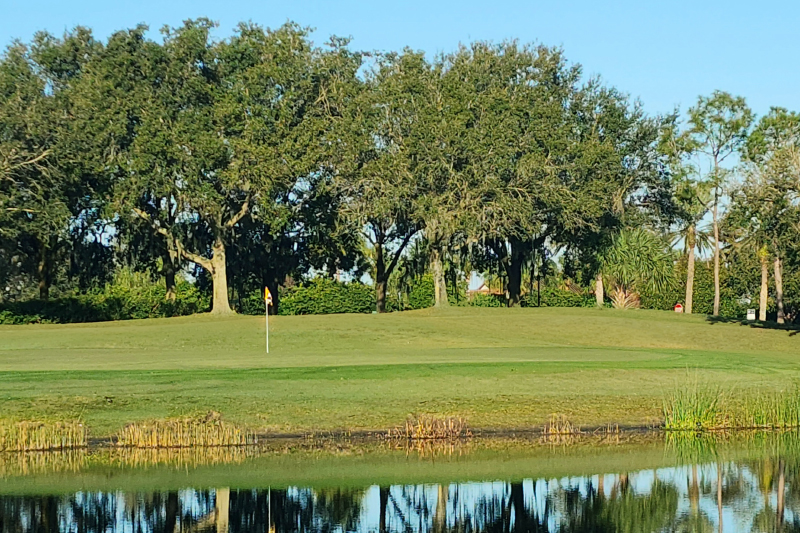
759,495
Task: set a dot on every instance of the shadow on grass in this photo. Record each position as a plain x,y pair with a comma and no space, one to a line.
792,329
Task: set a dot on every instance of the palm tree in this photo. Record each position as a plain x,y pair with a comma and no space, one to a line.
692,199
637,259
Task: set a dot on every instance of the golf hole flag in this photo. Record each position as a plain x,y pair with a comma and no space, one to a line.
267,296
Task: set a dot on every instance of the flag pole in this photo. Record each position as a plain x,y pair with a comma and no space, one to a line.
267,302
266,321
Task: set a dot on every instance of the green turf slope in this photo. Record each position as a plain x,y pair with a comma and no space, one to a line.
500,368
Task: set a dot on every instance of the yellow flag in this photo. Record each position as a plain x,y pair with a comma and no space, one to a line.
267,296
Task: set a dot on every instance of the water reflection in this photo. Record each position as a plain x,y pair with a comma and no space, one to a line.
753,495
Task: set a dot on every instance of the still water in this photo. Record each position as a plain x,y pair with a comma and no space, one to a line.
629,486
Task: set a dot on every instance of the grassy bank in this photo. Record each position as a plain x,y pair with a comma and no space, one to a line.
498,368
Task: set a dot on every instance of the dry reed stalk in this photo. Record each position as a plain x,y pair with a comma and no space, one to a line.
429,427
184,433
21,436
560,425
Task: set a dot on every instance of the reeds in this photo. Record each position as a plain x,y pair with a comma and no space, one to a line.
711,409
768,411
184,433
560,425
21,436
694,409
429,427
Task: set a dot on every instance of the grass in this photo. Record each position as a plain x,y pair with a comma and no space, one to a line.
494,368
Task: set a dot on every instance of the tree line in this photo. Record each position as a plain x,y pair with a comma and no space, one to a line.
261,158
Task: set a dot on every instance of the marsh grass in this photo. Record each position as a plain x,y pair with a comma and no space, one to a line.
779,410
694,409
431,427
708,409
560,425
26,435
187,432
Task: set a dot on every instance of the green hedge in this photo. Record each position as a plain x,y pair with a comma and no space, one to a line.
487,300
321,296
113,303
557,297
421,295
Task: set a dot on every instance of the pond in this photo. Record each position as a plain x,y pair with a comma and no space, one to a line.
747,482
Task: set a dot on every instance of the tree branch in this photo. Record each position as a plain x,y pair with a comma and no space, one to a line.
147,218
193,257
186,254
390,268
238,216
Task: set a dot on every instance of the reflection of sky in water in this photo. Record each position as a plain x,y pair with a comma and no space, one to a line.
465,498
473,506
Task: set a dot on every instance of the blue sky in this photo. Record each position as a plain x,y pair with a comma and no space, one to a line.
664,52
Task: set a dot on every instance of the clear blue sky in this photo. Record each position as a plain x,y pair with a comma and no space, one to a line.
664,52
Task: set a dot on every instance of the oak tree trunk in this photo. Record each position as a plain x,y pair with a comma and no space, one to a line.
439,284
384,504
518,501
172,510
43,271
380,279
599,290
690,245
762,300
779,288
169,275
514,273
219,278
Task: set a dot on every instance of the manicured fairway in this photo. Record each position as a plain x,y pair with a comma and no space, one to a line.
500,368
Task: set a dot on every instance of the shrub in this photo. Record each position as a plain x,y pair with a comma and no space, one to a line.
487,300
325,296
557,297
703,293
421,294
129,296
253,303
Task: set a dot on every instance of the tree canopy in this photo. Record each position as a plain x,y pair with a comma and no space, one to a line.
264,159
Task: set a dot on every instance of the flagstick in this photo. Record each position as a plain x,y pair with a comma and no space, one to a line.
266,321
